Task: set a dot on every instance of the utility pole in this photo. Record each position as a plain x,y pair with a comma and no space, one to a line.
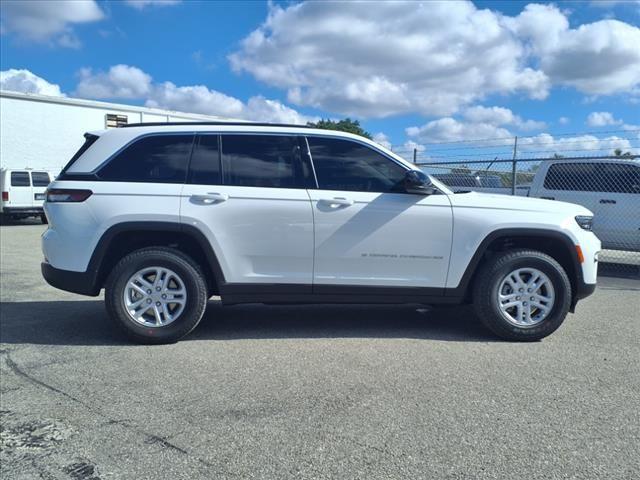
513,168
415,155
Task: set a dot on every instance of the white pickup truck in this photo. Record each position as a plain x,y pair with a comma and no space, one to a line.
609,188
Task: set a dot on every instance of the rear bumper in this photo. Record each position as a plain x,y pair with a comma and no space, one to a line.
75,282
22,210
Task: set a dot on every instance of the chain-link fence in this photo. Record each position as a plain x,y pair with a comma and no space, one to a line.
599,175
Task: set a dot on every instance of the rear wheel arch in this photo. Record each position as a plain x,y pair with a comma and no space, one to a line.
124,238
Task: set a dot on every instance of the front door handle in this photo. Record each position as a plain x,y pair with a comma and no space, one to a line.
337,202
607,200
210,198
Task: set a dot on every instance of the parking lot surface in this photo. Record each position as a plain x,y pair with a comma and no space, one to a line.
317,392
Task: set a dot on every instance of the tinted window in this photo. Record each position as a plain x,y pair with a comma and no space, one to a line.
346,165
593,177
20,179
40,179
159,159
205,161
262,161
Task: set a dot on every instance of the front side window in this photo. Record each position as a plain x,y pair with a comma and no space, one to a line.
262,161
40,179
154,159
20,179
347,165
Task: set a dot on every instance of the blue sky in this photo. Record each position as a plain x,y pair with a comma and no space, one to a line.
410,72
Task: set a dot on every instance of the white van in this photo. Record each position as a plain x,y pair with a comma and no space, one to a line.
23,193
609,188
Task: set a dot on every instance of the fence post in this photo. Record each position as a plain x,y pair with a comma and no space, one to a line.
513,167
415,155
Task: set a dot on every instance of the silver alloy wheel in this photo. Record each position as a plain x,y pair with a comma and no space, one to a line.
526,297
155,296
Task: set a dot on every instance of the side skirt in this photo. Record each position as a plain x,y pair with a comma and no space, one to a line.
233,294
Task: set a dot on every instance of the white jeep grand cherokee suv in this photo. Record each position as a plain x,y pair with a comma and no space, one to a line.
163,216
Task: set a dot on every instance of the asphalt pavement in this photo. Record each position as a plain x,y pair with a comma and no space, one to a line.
312,392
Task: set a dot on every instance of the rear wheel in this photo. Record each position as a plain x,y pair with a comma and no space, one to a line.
522,295
156,295
43,218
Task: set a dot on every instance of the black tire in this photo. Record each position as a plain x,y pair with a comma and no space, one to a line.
43,218
194,282
487,283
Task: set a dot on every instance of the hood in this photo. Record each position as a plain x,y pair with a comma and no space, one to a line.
515,203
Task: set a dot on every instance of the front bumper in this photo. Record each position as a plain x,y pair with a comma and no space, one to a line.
75,282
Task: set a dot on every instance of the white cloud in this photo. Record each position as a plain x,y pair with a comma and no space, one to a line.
450,130
48,21
386,58
26,82
128,82
598,58
477,123
581,145
500,116
432,58
141,4
382,139
601,119
563,120
121,81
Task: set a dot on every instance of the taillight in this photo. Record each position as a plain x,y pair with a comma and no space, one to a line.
58,195
5,196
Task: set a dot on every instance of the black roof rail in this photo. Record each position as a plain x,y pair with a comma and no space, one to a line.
244,124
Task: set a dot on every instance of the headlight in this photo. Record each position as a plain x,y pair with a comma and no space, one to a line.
585,222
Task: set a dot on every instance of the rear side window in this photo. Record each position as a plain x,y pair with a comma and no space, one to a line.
20,179
593,177
89,140
262,161
346,165
153,159
40,179
205,161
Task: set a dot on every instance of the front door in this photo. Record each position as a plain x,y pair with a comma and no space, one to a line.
247,194
367,231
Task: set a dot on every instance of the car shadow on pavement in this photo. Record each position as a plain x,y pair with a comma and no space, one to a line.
87,323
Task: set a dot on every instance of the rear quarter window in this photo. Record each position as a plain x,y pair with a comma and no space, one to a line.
151,159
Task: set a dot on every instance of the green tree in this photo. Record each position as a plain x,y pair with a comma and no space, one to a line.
618,153
345,125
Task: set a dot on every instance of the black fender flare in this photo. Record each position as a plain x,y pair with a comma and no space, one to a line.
95,271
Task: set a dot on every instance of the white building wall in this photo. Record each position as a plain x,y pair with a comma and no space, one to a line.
44,132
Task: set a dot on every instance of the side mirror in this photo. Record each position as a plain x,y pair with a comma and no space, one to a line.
418,182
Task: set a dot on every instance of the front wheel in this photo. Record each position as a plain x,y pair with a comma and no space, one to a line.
156,295
522,295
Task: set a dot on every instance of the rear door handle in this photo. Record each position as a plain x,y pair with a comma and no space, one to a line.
607,200
337,202
210,198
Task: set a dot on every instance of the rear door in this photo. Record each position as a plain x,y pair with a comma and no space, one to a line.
39,181
247,194
20,193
